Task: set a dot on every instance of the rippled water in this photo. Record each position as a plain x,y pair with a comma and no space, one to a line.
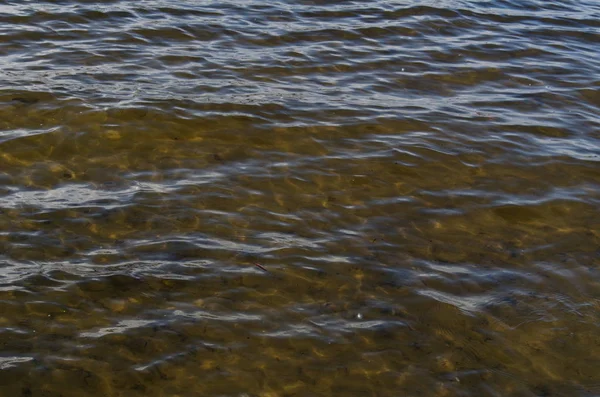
299,198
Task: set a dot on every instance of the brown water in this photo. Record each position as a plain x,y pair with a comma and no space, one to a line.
420,182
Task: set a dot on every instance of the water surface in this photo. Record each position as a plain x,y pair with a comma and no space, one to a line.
418,181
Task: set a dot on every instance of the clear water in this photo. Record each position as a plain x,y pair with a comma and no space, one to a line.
299,198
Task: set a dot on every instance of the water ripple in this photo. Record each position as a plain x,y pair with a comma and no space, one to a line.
299,198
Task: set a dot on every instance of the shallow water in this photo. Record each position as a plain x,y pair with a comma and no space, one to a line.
299,198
